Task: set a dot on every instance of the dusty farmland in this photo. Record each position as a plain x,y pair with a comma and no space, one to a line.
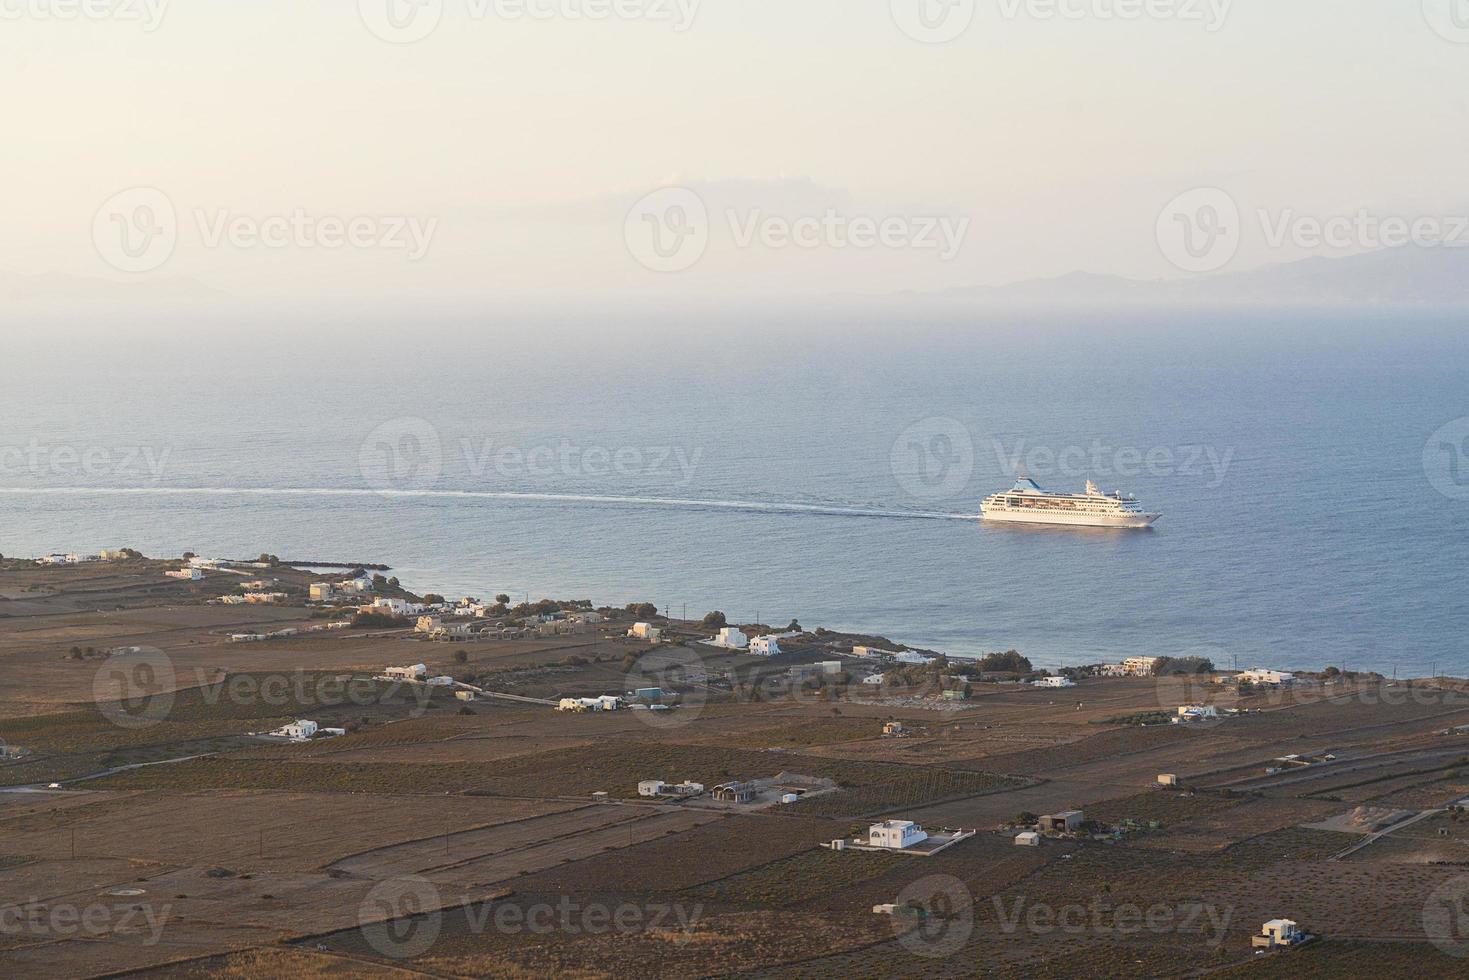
199,847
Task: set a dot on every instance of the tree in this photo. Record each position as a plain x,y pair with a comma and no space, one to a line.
715,620
642,610
502,599
379,581
394,584
1009,662
434,599
1332,672
793,626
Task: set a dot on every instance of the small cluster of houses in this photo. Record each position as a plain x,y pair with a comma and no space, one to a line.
251,599
606,702
354,588
1188,713
279,633
191,574
414,674
1053,682
1132,667
1065,822
658,788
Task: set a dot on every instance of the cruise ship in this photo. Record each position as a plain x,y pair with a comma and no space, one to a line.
1027,503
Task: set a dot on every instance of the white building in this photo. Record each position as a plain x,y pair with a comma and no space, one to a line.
427,624
396,606
1278,932
913,658
645,631
874,679
323,592
1198,712
732,638
187,574
651,787
765,646
896,834
1054,682
1028,839
606,702
1140,666
300,730
1267,678
831,667
871,652
415,673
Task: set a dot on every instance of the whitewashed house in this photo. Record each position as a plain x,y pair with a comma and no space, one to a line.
732,638
765,646
896,834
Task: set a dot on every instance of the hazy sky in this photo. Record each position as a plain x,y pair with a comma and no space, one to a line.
504,155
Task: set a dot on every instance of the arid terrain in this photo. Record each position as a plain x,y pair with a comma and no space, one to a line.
150,827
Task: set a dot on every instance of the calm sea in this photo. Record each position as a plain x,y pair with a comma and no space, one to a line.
1315,507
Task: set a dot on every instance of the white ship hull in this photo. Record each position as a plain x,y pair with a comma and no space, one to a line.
1028,503
1070,520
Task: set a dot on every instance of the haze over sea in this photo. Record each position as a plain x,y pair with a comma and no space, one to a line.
1315,511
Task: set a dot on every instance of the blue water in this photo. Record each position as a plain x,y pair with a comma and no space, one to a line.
759,473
